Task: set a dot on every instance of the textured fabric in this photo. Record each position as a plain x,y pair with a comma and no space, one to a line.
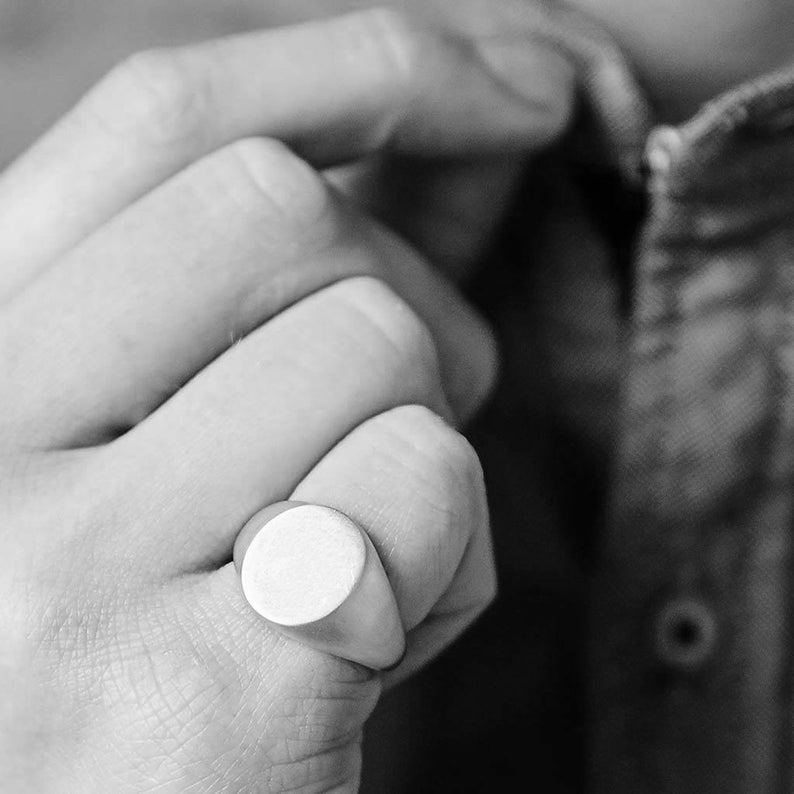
640,460
691,628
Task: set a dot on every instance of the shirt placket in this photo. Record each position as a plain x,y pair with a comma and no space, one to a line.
691,610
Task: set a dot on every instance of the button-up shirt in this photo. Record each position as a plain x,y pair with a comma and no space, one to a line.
691,611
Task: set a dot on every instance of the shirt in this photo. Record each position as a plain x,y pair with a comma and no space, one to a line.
639,454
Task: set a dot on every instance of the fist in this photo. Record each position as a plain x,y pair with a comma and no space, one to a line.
195,326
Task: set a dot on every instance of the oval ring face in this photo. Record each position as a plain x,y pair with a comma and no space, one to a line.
302,565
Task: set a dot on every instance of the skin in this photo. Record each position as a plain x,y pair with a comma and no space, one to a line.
684,51
195,325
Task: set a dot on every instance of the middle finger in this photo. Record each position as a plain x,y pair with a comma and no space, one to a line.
128,317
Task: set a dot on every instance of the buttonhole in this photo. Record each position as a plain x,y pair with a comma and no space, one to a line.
686,634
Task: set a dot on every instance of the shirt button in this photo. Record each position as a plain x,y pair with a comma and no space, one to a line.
686,634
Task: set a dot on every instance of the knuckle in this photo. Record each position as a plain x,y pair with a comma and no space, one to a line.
267,180
441,459
386,49
447,445
393,48
399,339
392,37
155,97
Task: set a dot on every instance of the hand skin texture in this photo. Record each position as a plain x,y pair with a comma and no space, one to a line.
194,325
684,51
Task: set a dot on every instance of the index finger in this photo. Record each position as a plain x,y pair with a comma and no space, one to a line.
334,90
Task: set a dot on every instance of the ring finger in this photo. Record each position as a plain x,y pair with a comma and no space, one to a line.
415,486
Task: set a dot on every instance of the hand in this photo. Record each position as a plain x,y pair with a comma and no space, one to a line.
192,331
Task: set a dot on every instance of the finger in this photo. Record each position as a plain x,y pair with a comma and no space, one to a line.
245,430
414,485
167,286
334,89
313,574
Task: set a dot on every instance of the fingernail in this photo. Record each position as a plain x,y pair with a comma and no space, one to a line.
538,77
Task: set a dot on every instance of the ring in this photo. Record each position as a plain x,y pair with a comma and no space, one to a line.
313,574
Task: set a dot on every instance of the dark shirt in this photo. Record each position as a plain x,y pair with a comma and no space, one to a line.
639,454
